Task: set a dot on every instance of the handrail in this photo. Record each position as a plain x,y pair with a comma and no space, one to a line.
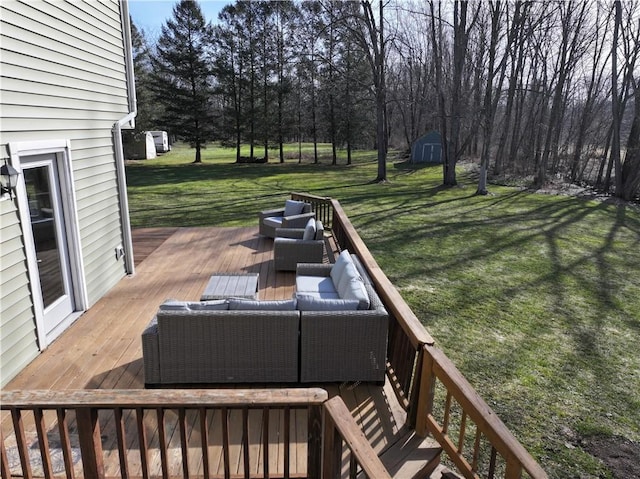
340,426
418,364
179,416
320,205
439,371
133,416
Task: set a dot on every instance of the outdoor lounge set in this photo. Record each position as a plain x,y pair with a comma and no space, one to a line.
333,329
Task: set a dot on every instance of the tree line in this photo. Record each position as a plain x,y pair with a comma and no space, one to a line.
536,90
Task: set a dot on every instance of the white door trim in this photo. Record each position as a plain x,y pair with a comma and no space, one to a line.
62,150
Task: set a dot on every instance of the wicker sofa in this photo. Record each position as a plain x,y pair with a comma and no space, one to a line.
311,338
206,342
343,345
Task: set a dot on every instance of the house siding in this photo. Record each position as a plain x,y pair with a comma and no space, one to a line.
63,78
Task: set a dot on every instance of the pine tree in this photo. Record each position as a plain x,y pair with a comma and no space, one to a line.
182,75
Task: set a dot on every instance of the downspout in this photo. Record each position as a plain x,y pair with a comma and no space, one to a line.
128,120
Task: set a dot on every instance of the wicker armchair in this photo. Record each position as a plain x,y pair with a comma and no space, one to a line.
289,247
270,220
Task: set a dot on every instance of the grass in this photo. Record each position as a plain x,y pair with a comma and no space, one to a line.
536,298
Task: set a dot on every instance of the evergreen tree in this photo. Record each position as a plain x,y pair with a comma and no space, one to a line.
146,119
182,75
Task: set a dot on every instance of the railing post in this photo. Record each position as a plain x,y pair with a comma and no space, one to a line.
90,442
314,446
427,386
332,450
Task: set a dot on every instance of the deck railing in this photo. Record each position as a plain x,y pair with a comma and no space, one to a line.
438,399
186,421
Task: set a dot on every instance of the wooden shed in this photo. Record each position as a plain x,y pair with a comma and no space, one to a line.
427,149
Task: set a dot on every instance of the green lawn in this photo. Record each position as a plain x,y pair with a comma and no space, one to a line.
536,298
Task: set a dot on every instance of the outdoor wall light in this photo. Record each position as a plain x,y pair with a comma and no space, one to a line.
8,179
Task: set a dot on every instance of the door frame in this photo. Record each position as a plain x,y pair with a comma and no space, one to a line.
19,151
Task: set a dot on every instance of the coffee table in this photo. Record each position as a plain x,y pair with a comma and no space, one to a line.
231,285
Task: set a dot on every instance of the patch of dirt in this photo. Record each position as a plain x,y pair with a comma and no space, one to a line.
619,454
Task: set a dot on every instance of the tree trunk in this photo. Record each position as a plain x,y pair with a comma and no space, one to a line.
631,166
615,100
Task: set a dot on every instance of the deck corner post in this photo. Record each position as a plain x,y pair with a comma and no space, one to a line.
423,404
314,446
416,388
90,442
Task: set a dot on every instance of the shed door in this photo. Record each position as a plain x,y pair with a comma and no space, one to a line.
46,209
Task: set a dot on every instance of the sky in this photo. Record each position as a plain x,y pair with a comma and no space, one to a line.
150,15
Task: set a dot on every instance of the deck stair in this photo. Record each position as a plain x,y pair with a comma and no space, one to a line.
411,456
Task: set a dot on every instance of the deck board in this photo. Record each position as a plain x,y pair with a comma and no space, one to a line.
102,349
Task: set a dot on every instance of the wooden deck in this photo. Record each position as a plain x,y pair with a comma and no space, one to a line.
102,349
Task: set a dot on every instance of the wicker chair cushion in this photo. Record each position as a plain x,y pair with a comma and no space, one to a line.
351,286
320,284
256,305
307,302
273,221
309,230
321,295
293,207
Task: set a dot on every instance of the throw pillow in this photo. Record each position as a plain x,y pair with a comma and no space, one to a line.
174,305
214,305
292,207
311,303
338,268
240,304
349,274
309,230
356,291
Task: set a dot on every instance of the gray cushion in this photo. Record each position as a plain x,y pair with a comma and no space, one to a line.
174,305
338,268
356,290
213,305
256,305
349,274
309,230
320,295
273,221
312,303
315,284
292,207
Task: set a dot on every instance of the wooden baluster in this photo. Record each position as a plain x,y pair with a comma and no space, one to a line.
463,427
21,443
142,440
287,441
492,463
476,449
224,417
122,443
265,442
4,460
204,442
43,442
162,442
182,416
447,410
65,443
353,467
245,441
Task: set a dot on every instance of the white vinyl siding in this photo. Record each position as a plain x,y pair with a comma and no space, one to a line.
63,77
